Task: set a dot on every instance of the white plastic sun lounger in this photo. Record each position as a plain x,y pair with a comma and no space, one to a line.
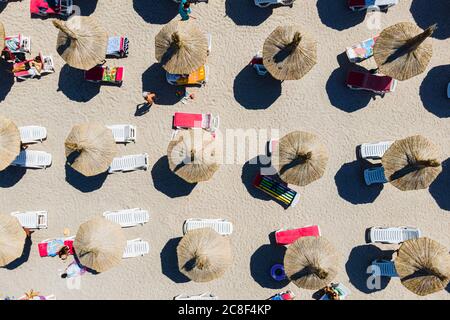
374,150
33,159
128,217
393,235
123,133
136,248
32,134
374,175
129,163
32,219
384,268
221,226
342,291
203,296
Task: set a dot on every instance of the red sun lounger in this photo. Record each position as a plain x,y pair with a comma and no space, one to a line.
365,81
196,120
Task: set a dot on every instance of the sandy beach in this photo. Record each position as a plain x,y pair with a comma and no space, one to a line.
340,203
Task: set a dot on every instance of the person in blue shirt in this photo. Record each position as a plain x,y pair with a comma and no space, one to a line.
184,9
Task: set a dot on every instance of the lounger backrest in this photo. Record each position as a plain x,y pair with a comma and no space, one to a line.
27,219
221,226
384,269
374,175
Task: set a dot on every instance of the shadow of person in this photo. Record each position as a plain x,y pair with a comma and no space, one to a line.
262,260
245,13
83,183
169,262
255,92
156,12
23,258
74,86
250,169
7,79
426,15
142,109
169,183
440,187
433,91
359,260
87,7
337,15
154,80
341,96
11,175
350,183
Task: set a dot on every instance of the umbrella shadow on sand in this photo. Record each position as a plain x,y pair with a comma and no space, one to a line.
440,187
154,80
255,92
158,12
249,171
7,79
426,13
23,258
433,91
169,262
87,7
74,86
359,260
350,183
245,13
262,260
337,15
83,183
339,94
167,182
11,175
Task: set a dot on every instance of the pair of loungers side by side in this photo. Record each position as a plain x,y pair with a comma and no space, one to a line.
33,159
48,66
133,248
374,175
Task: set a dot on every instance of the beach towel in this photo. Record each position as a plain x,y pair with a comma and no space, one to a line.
54,246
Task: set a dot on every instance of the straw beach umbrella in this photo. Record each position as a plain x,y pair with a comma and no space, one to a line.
289,53
300,158
423,266
311,263
181,47
9,142
2,36
204,255
99,244
94,146
193,155
412,163
82,42
12,239
403,50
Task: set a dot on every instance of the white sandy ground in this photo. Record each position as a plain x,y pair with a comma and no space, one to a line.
318,103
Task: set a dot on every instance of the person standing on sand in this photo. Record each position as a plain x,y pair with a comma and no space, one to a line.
185,10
